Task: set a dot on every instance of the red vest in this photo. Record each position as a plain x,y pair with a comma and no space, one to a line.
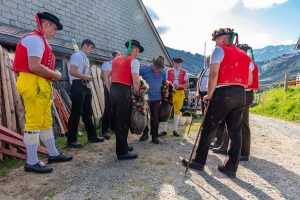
254,84
21,56
234,69
181,76
121,70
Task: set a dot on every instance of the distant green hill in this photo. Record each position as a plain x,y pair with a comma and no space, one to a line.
280,104
193,63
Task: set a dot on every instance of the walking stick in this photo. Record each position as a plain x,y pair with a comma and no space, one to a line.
193,117
198,135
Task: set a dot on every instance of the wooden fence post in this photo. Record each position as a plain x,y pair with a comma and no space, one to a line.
286,82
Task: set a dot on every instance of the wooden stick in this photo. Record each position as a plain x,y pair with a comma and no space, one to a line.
102,96
5,92
198,136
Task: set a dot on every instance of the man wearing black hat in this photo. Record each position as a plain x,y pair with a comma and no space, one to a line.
155,76
125,73
229,75
106,78
180,79
35,64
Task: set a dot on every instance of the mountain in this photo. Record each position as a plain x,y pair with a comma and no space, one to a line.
273,62
193,63
273,70
270,52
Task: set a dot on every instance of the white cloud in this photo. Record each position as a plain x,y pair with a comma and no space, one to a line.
287,42
258,4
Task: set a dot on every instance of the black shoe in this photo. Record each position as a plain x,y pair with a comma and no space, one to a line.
162,134
75,145
194,164
227,172
127,156
219,150
106,135
130,148
155,140
214,145
176,134
244,158
60,158
39,167
96,140
144,137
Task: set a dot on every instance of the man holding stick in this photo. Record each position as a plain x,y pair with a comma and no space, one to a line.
229,75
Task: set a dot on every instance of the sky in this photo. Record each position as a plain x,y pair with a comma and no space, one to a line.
188,24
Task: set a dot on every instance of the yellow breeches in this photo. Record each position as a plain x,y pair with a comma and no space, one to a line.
178,99
36,94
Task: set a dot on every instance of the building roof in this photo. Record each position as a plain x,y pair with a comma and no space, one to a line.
107,23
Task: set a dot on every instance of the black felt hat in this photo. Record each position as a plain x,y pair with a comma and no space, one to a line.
178,59
244,47
52,18
221,31
135,43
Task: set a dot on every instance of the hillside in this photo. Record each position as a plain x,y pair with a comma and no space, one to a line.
270,52
273,70
280,104
193,63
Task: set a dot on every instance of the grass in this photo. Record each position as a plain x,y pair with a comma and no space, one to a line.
279,104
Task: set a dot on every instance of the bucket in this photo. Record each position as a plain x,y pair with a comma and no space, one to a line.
182,120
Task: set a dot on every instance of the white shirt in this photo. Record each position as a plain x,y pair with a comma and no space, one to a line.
106,65
34,45
135,66
176,75
82,62
204,80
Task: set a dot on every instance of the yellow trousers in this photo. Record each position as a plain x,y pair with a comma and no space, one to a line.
178,99
36,94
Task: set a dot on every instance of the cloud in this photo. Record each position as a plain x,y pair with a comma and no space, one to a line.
287,42
259,4
154,16
162,29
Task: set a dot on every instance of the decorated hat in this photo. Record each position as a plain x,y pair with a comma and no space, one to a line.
244,47
50,17
221,31
178,59
136,43
159,62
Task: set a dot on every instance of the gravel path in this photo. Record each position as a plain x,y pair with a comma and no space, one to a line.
273,171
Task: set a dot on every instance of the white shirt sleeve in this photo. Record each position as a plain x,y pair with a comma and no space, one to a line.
106,66
76,59
217,56
35,45
135,66
251,66
186,77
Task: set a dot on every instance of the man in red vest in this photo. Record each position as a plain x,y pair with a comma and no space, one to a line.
124,75
229,75
35,64
180,79
246,134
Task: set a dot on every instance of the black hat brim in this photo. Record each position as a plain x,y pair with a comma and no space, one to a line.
52,19
178,60
135,44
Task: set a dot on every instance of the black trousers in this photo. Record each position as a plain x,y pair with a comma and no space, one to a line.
106,118
121,108
246,133
154,123
202,94
81,97
227,104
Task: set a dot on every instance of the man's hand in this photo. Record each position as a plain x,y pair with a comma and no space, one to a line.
57,75
206,98
88,78
198,96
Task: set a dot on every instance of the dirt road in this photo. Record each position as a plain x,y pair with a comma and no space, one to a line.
273,171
